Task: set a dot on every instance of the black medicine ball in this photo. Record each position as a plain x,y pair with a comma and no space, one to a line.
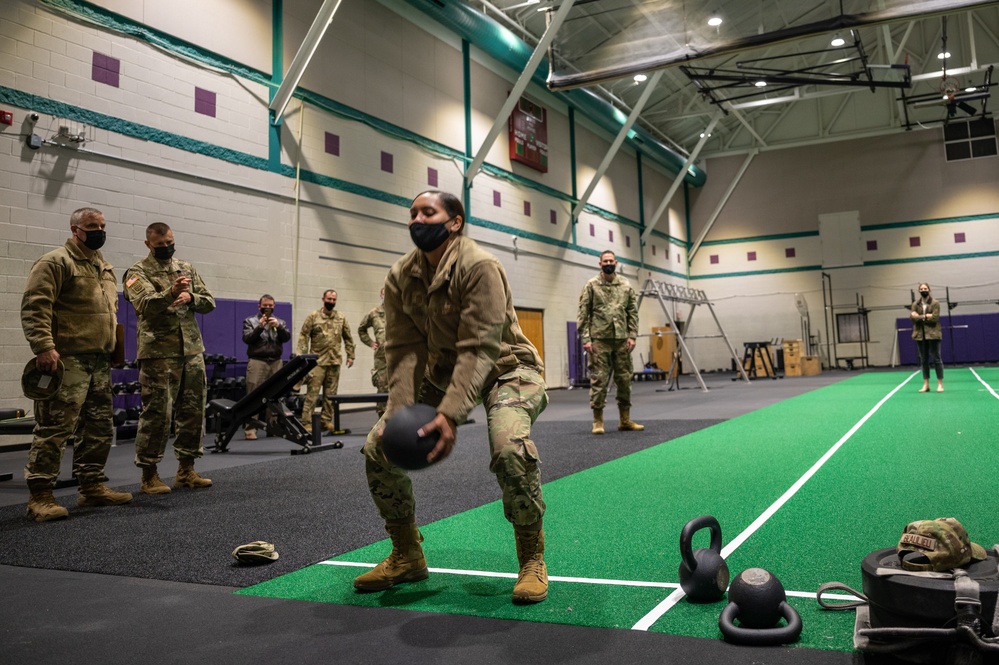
402,446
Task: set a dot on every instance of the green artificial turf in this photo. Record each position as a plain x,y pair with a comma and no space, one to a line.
920,456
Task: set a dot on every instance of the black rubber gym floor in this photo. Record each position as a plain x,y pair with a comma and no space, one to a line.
116,583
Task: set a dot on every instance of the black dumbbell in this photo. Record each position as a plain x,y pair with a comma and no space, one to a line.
117,388
120,416
134,387
133,413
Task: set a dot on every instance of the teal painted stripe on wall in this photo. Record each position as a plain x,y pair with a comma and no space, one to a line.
778,236
928,222
108,19
129,128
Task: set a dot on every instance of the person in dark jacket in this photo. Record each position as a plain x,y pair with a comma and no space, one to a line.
925,315
264,335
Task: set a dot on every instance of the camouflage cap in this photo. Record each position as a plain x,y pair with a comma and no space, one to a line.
39,385
256,552
940,544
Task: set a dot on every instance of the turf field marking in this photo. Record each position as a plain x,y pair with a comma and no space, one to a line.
646,622
513,576
982,381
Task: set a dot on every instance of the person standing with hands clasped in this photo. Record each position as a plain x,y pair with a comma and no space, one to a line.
607,321
321,334
453,340
264,335
925,317
166,294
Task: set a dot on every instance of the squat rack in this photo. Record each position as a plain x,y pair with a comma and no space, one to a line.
675,293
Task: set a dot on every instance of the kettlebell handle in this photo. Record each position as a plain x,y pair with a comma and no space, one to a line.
687,537
760,637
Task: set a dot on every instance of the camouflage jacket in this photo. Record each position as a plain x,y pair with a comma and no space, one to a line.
70,303
930,328
165,331
454,325
375,319
607,310
323,331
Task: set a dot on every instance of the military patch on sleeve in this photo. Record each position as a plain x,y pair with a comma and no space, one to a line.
131,280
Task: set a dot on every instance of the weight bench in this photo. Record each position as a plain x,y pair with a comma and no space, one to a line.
268,396
337,400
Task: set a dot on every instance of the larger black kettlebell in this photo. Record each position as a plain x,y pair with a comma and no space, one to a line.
758,600
703,572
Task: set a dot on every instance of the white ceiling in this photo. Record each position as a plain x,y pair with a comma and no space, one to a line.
678,113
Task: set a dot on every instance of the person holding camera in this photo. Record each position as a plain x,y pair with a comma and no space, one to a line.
264,335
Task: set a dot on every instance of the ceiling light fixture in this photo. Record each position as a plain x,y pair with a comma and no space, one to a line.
837,41
971,88
639,78
760,84
715,20
703,135
941,56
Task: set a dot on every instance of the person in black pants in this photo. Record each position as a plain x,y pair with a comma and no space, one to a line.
264,334
925,317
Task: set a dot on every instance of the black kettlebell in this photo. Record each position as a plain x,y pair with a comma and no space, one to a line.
757,599
703,572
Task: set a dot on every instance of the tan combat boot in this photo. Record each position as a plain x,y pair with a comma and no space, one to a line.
99,494
626,424
598,421
42,506
532,582
406,563
151,483
188,477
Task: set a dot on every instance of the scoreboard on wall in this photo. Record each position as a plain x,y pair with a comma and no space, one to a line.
529,135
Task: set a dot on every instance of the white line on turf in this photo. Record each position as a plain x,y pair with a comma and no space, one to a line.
513,576
987,386
576,580
645,622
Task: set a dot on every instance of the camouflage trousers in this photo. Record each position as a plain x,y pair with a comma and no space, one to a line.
326,378
173,390
610,356
379,379
512,404
81,407
258,371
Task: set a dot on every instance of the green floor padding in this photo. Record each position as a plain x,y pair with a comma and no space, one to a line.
919,456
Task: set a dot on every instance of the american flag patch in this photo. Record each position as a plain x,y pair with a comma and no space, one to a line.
131,280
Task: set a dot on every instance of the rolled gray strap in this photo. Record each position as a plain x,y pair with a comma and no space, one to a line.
845,605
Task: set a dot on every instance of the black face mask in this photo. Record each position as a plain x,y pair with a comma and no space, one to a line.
329,306
164,253
429,237
925,294
608,269
95,239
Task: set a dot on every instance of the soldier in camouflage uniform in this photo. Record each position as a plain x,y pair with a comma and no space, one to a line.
450,319
321,334
166,294
608,325
375,320
69,312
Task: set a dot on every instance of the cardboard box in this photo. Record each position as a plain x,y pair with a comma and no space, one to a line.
810,366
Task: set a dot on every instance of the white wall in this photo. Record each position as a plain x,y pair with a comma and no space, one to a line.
246,222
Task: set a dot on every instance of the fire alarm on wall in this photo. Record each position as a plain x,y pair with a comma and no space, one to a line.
6,118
